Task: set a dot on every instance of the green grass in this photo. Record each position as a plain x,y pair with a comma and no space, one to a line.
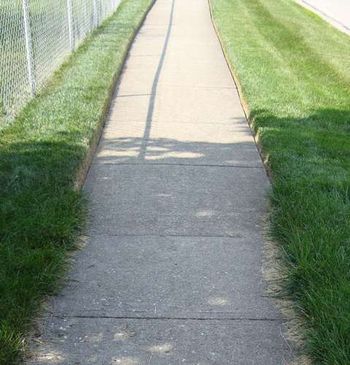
294,72
50,46
41,153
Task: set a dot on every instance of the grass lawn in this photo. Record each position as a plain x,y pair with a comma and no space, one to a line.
41,153
294,72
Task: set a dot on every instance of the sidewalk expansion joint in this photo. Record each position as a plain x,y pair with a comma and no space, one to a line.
168,122
94,234
174,164
130,95
166,318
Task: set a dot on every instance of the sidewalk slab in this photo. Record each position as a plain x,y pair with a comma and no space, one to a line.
201,278
175,200
102,341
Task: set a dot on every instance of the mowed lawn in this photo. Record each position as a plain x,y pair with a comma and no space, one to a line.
294,72
50,41
41,153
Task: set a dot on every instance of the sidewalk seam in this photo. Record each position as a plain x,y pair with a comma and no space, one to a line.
174,318
97,234
173,164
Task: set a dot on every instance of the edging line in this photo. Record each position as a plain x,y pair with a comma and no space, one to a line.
84,168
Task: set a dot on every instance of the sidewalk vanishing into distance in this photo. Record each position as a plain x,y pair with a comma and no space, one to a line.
172,268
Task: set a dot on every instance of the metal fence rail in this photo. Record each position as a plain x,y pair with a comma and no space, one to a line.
35,38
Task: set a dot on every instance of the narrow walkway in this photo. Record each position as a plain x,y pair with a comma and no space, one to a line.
171,271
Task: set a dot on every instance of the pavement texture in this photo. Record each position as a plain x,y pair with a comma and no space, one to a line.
171,271
336,12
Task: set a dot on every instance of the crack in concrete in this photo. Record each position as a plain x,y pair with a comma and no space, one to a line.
168,318
160,235
175,164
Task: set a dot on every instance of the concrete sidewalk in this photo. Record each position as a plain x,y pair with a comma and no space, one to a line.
171,271
336,12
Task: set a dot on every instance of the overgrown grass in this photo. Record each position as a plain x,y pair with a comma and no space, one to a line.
294,71
40,155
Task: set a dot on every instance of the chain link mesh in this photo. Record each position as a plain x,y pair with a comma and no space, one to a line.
35,38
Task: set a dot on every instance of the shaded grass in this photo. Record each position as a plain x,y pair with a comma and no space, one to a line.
41,153
294,73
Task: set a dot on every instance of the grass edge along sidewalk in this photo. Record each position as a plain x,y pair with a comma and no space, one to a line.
294,73
42,154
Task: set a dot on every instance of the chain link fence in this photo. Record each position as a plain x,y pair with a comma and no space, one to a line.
35,38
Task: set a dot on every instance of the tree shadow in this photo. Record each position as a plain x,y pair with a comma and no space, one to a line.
171,151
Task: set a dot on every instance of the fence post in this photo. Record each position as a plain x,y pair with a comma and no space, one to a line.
29,46
96,17
70,25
